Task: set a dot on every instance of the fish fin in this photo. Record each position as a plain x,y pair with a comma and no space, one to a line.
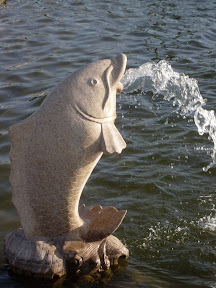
100,223
111,140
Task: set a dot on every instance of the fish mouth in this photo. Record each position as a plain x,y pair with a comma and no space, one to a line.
113,76
118,65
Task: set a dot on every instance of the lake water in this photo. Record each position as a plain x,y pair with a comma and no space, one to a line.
165,178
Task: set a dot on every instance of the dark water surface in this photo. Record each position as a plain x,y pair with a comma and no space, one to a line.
170,226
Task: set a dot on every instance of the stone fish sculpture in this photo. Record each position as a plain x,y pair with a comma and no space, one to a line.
53,153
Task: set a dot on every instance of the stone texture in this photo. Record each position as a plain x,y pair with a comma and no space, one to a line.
53,153
49,257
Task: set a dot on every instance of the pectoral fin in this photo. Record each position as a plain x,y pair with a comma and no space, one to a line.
111,140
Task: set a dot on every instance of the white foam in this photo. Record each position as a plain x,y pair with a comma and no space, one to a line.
208,223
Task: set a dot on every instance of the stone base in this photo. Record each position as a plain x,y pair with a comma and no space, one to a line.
52,257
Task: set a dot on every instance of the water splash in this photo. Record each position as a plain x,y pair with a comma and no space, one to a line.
178,88
206,123
209,222
167,232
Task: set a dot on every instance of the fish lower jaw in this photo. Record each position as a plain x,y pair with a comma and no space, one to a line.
119,87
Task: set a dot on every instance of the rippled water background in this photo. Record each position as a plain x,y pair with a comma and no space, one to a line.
170,226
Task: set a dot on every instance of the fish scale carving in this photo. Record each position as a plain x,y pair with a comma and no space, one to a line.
53,153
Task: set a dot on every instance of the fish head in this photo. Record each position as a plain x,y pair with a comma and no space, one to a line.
94,88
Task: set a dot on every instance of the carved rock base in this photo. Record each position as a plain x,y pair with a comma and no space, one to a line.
54,257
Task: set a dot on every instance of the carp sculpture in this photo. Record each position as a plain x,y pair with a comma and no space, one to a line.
53,153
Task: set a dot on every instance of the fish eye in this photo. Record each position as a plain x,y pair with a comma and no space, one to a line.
93,81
